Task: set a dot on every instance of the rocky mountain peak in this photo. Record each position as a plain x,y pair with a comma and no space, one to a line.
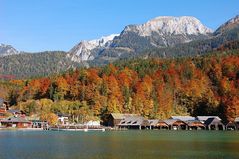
6,50
185,25
83,50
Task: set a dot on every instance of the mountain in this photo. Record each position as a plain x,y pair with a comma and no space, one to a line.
229,25
226,33
87,50
36,64
165,25
6,50
159,32
163,37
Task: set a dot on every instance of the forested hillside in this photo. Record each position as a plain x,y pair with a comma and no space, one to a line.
27,65
154,88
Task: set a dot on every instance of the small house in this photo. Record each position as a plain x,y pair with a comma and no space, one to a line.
214,124
134,122
92,124
176,124
195,125
17,113
232,126
115,118
16,122
158,124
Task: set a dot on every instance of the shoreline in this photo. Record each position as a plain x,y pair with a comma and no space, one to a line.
22,129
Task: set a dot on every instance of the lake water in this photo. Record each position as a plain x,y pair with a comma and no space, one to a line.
119,145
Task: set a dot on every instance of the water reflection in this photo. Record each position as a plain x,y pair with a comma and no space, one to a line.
120,144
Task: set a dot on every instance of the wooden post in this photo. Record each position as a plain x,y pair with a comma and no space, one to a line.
223,127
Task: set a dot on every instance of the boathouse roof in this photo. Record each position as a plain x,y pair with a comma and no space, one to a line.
15,120
134,121
183,118
195,123
153,121
213,121
157,122
172,121
231,123
14,111
204,118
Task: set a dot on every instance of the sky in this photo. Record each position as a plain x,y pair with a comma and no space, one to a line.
40,25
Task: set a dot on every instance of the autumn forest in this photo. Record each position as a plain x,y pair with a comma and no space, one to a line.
154,88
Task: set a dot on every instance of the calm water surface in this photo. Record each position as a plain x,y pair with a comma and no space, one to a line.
119,145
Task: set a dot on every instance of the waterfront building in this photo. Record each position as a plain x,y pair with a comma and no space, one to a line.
195,125
134,122
176,124
92,124
114,119
16,122
17,113
232,125
158,124
204,118
214,124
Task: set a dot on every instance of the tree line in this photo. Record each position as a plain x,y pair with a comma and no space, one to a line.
154,88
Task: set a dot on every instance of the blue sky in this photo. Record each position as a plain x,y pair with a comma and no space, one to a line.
38,25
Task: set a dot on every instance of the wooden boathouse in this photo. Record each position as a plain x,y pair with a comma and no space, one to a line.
134,122
232,125
114,119
158,124
214,124
16,122
176,124
195,125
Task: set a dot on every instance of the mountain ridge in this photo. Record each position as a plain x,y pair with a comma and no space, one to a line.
158,32
127,45
171,25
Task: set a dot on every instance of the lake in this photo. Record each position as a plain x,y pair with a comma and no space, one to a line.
119,145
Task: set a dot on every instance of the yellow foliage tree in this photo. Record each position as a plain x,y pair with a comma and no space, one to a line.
51,118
